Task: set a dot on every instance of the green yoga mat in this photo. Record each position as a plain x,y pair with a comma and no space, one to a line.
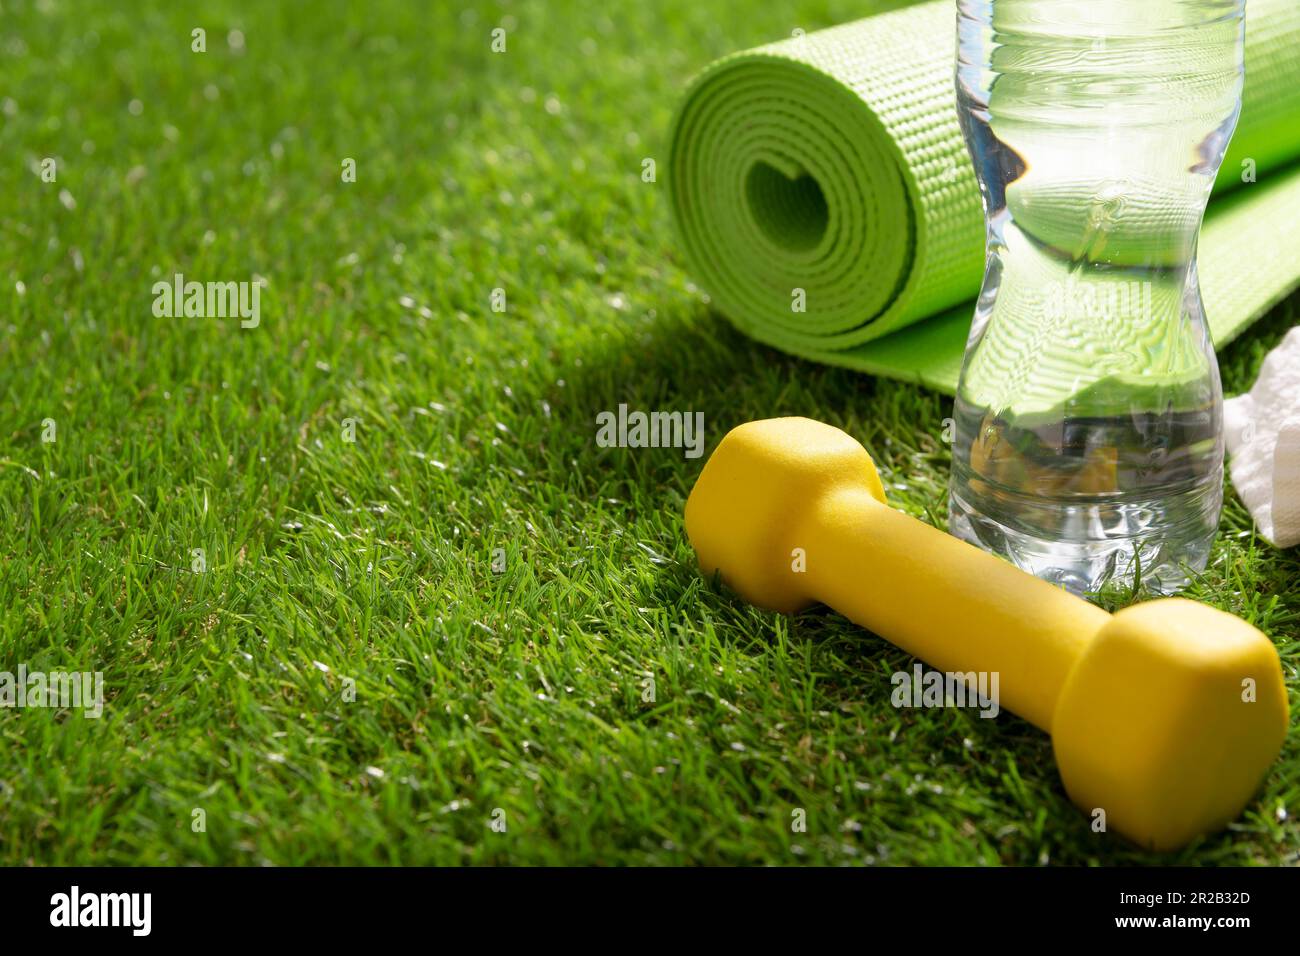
834,163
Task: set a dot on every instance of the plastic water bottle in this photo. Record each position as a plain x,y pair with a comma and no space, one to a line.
1088,443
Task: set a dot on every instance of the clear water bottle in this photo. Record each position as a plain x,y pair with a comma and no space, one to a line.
1088,444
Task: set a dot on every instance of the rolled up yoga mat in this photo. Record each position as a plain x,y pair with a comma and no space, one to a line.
833,163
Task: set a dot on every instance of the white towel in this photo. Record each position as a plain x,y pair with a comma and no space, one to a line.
1262,429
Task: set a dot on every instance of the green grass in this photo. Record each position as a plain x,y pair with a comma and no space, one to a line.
371,561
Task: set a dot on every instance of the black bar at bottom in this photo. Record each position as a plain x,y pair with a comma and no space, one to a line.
331,906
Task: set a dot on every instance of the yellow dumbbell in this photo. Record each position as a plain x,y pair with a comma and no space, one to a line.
1165,715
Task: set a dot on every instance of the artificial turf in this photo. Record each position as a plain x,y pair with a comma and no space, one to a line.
592,692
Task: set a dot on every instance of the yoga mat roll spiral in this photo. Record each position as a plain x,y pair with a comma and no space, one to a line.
833,163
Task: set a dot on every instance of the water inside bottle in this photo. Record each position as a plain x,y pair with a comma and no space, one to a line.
1088,443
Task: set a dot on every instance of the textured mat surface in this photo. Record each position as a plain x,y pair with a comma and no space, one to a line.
824,198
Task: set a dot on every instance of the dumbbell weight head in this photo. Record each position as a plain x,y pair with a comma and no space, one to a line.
1172,715
748,506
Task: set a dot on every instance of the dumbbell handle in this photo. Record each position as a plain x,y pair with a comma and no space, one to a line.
945,601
